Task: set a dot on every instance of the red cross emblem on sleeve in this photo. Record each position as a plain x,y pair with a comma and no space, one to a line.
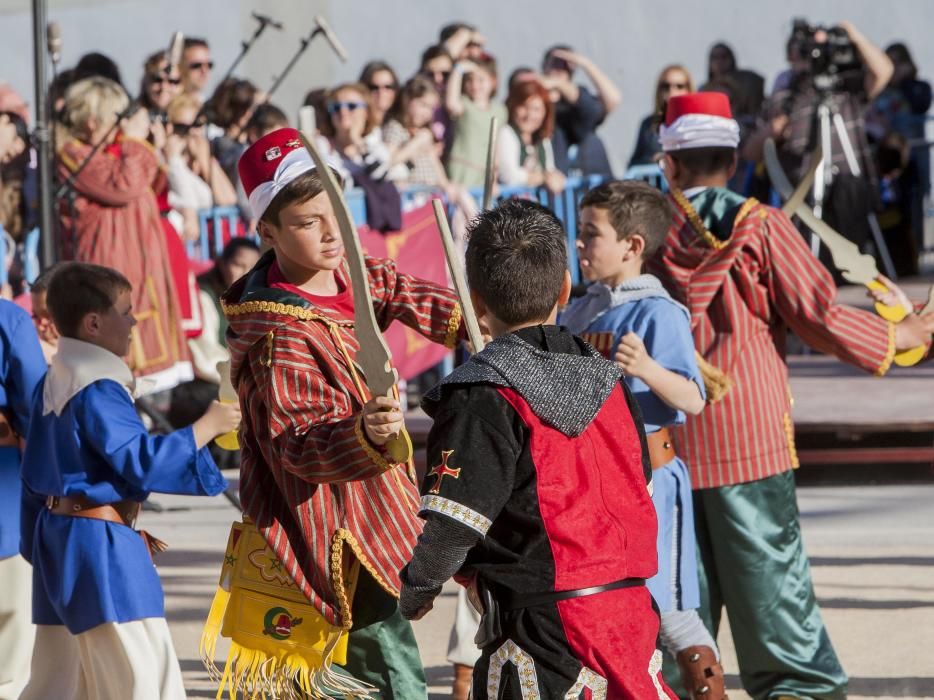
442,470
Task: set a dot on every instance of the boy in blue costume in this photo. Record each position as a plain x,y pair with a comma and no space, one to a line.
89,464
21,369
631,319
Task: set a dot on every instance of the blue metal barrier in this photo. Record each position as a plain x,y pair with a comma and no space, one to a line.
216,217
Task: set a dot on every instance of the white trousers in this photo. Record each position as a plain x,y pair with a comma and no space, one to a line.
461,647
126,661
16,629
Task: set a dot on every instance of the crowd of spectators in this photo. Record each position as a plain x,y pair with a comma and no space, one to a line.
137,200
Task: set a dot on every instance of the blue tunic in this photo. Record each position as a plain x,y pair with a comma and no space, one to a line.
665,329
22,367
88,572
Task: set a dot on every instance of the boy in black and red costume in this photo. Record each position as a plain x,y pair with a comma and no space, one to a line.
539,487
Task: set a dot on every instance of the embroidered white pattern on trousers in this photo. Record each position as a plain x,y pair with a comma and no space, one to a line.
590,680
528,679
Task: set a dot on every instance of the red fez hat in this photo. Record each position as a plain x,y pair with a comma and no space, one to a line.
699,120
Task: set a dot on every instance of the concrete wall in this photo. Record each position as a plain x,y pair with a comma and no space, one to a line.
630,39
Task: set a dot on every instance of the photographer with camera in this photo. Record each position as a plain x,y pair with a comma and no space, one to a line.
840,69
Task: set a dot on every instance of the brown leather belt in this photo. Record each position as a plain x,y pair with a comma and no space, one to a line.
661,450
121,512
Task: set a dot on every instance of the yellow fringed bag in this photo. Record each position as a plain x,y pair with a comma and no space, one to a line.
281,646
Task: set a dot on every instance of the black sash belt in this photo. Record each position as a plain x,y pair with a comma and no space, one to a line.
509,600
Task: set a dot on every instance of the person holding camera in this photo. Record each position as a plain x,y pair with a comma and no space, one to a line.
578,111
111,218
840,68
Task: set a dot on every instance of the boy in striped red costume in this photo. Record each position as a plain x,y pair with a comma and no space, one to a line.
746,275
314,476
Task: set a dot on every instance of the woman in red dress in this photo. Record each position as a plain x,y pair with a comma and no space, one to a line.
112,219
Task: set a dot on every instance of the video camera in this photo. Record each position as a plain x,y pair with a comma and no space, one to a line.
834,63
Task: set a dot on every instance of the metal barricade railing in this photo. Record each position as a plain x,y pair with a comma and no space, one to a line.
211,226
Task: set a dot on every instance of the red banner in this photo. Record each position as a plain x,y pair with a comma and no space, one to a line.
416,250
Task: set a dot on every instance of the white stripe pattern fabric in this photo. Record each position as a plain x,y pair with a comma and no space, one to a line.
699,131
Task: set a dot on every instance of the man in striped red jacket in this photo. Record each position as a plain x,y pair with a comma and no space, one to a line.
746,275
314,476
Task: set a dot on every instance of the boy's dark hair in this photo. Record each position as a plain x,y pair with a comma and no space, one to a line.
236,244
633,207
78,289
705,161
516,260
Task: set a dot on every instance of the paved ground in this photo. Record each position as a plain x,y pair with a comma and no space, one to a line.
871,546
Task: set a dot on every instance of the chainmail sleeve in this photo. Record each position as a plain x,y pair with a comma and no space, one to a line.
440,553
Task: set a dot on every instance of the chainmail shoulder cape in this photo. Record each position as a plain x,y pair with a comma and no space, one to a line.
566,391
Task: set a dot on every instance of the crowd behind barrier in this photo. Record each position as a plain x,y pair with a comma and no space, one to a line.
564,204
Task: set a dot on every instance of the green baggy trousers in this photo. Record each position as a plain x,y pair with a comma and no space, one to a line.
753,563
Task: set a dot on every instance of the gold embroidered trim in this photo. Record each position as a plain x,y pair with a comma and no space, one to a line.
590,680
889,353
276,307
716,382
525,666
342,537
270,345
454,324
790,438
457,511
373,454
66,159
694,218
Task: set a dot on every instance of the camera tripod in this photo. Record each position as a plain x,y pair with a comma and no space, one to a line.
829,117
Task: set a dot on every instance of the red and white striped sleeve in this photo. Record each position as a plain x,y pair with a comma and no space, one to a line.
426,307
320,437
804,293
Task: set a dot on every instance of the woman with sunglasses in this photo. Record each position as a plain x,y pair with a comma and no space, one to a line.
353,137
159,85
383,84
673,80
196,179
354,142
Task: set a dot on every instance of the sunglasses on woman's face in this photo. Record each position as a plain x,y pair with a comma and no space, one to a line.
183,129
388,87
335,107
163,78
673,86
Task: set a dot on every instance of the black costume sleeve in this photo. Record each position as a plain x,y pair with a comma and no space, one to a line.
472,455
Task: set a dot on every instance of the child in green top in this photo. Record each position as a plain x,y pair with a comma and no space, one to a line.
470,105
